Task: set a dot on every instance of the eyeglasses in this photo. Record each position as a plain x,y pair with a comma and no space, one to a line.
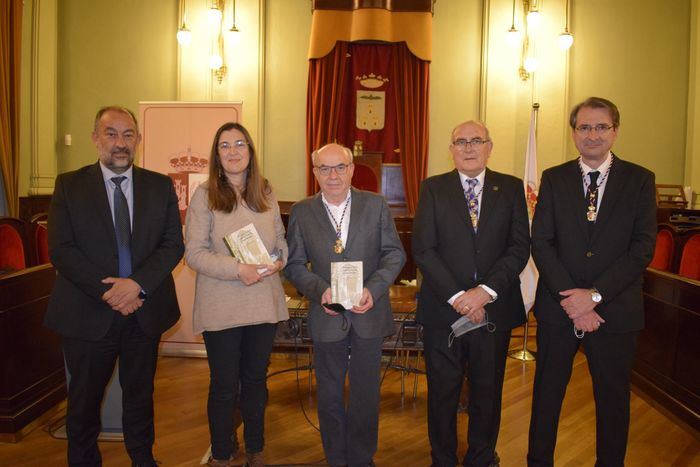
340,169
600,128
237,145
465,143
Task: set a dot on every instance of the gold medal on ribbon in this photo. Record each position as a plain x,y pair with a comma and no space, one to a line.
591,214
338,247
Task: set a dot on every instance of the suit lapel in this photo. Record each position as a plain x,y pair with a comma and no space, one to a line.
139,216
613,190
321,215
489,198
357,208
574,191
96,186
458,202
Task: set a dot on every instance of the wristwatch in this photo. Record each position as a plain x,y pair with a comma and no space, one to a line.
596,296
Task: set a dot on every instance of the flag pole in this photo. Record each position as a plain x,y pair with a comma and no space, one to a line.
523,354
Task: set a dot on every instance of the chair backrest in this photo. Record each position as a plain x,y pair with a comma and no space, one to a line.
670,196
39,235
690,260
12,254
664,251
368,172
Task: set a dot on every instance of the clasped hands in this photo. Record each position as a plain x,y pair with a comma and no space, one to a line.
249,275
471,304
124,294
580,308
366,302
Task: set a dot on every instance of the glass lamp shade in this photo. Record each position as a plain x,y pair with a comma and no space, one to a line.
530,64
215,61
566,40
533,19
214,16
513,37
184,36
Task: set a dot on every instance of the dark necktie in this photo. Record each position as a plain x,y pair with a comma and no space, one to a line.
122,227
592,198
472,202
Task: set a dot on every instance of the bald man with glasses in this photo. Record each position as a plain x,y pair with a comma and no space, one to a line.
342,224
471,240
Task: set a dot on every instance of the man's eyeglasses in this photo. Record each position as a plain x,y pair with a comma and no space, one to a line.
237,145
600,128
476,143
340,169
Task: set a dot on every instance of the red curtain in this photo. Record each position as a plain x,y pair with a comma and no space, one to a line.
331,111
323,104
411,76
10,52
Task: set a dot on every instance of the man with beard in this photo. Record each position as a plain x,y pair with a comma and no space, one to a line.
114,238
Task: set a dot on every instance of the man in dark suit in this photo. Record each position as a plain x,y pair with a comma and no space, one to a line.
343,224
471,240
114,238
592,237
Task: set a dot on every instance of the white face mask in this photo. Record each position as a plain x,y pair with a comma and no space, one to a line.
463,325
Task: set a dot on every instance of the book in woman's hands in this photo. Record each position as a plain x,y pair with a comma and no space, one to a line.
246,246
346,283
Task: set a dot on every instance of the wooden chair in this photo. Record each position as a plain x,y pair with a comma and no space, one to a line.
13,250
368,172
663,252
690,260
670,196
38,227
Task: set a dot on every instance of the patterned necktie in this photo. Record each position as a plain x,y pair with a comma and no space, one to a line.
472,201
592,198
122,227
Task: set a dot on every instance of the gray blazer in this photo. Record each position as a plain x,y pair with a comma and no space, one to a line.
372,239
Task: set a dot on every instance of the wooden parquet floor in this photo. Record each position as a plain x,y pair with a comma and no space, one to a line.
182,434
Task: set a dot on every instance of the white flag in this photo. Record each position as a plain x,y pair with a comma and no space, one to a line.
529,275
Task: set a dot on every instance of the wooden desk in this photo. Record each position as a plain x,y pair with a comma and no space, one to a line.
32,378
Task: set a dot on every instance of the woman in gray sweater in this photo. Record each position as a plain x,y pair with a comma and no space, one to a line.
237,306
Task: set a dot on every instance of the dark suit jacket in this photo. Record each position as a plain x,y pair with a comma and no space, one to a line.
612,260
372,239
450,255
83,248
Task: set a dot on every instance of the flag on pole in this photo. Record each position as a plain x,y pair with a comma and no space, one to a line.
529,275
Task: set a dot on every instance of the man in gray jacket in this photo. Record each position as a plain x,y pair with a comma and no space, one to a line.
343,224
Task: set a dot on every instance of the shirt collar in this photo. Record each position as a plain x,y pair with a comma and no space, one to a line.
603,168
479,177
323,197
107,174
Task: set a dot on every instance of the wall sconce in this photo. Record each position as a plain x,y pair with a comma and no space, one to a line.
184,36
513,33
566,39
215,22
531,21
233,18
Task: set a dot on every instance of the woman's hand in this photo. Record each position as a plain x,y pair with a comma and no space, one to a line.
272,268
248,273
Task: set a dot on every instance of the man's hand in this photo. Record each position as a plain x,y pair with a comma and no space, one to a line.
577,303
365,303
128,308
471,300
326,298
248,273
270,269
123,292
589,322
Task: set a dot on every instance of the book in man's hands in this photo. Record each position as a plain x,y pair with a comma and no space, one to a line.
346,283
246,246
